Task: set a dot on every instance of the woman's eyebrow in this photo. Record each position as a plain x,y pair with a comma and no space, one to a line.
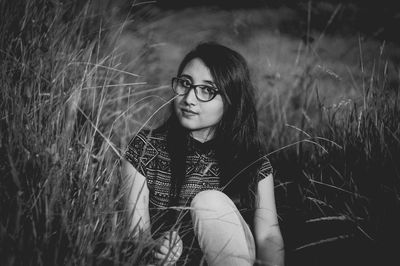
210,82
186,76
191,79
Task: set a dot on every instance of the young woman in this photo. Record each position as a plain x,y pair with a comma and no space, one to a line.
202,179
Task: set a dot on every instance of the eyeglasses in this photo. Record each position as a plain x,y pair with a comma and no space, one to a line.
204,93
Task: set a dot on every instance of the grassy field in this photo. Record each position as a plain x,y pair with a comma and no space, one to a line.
78,81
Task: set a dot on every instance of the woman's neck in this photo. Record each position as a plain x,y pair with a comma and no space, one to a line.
203,135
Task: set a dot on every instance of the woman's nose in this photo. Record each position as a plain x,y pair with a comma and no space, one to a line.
190,97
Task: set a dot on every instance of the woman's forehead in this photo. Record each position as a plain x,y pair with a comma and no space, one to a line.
196,70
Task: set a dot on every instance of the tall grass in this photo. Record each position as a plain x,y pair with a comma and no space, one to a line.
337,175
68,108
66,111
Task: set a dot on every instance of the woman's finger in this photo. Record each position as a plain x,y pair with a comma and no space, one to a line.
170,248
159,256
166,245
176,251
171,236
163,257
163,249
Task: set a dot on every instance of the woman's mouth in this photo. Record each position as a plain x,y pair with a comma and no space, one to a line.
188,112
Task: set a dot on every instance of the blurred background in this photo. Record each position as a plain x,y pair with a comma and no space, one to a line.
80,78
281,40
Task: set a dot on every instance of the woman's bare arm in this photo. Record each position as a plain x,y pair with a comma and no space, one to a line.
270,248
137,202
136,198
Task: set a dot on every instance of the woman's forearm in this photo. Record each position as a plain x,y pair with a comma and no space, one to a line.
136,196
139,220
270,250
138,214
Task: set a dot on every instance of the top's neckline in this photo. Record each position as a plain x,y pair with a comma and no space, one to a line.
202,146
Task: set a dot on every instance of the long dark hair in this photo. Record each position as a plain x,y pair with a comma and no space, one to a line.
238,145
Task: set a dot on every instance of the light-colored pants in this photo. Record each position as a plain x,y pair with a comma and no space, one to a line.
223,235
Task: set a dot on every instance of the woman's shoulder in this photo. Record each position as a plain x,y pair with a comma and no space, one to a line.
144,146
149,138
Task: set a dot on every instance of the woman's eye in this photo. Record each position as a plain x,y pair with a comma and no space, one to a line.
185,83
208,90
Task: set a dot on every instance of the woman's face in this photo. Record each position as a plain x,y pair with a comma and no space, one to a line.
197,116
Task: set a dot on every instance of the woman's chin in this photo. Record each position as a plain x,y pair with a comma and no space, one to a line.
188,124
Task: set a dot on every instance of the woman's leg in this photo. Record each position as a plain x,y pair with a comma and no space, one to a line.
223,235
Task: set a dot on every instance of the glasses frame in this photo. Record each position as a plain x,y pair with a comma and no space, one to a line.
191,86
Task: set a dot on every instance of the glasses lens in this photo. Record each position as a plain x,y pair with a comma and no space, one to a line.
180,86
205,93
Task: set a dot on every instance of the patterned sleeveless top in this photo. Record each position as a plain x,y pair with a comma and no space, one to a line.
148,154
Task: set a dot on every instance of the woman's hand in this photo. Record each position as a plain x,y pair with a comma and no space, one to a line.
170,249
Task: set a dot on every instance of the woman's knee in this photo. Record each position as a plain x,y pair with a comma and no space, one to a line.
211,200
